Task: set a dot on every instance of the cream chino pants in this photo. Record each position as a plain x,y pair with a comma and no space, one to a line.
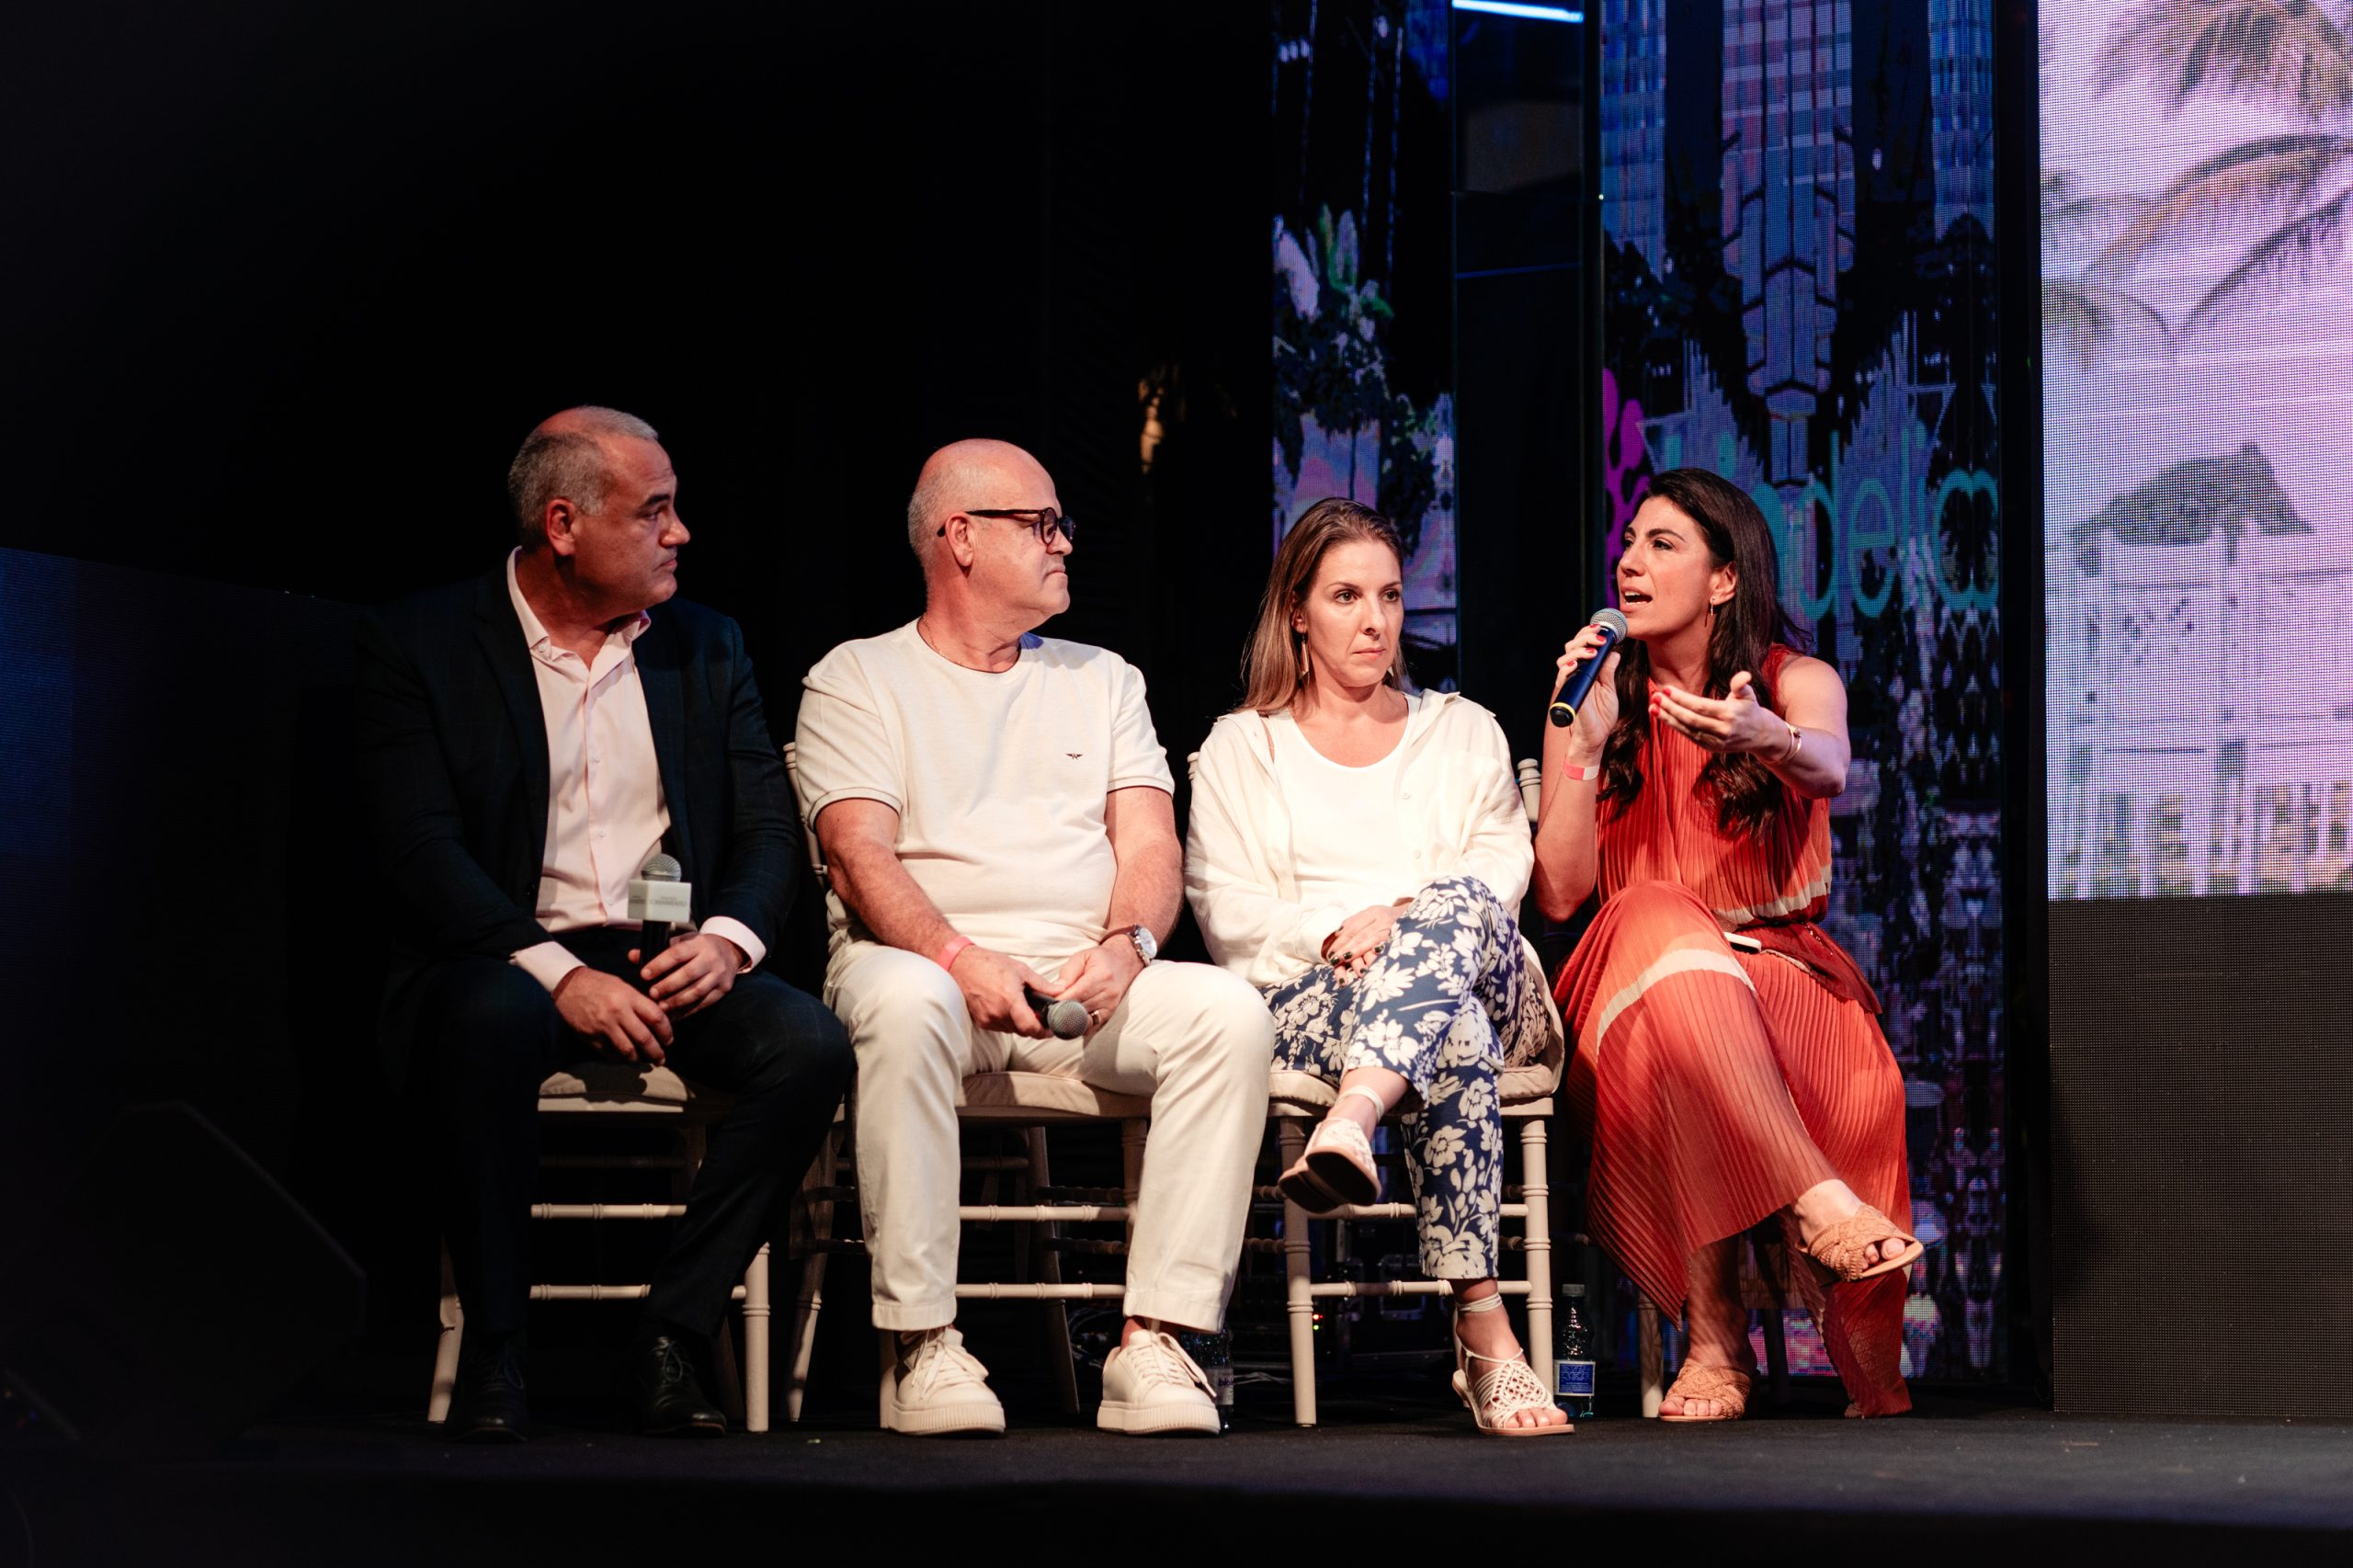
1195,1039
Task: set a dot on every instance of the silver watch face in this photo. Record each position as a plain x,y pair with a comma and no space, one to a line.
1147,947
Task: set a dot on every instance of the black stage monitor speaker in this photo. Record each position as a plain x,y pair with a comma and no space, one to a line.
2201,1102
176,1292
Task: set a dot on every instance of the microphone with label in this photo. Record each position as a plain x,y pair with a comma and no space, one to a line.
1066,1017
1564,711
657,901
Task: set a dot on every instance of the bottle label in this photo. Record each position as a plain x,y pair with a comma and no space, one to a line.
1221,1385
1572,1379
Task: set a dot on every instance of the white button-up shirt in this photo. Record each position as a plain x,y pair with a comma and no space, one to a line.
605,813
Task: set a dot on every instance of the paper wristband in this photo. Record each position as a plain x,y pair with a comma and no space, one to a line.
953,951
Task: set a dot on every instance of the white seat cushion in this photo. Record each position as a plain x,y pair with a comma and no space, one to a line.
1043,1096
1306,1094
595,1084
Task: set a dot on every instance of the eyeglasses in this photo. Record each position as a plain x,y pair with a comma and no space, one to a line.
1042,520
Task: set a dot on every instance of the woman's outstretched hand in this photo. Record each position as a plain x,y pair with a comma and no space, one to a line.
1598,713
1734,722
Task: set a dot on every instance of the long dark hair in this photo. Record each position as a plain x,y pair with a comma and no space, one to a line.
1744,631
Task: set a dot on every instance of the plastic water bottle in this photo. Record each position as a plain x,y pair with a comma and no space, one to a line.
1573,1356
1214,1352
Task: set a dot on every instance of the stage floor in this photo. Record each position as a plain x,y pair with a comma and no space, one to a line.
1953,1481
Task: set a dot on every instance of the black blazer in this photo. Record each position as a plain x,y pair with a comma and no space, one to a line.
453,773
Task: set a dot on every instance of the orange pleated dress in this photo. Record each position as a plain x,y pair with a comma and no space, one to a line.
1717,1083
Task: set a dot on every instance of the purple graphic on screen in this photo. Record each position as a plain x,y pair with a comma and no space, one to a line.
1798,295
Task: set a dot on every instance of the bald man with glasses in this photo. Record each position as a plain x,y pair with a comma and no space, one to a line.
996,809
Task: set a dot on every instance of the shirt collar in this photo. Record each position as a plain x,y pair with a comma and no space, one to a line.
535,634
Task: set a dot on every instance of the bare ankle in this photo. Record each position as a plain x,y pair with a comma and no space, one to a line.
1822,1205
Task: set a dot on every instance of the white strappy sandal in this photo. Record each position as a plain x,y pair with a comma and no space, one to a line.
1338,1167
1510,1388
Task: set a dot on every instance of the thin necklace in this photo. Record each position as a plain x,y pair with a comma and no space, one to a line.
952,659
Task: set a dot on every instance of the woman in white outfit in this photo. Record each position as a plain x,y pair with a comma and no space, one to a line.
1356,851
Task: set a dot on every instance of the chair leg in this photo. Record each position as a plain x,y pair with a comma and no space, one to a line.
805,1308
818,1229
1538,1241
1653,1360
445,1353
1299,1302
1050,1270
1776,1356
755,1343
728,1388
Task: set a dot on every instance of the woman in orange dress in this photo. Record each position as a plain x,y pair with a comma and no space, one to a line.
1728,1059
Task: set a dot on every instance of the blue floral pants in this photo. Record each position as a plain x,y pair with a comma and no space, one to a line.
1447,1005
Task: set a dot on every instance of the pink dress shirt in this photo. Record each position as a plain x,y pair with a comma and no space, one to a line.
606,815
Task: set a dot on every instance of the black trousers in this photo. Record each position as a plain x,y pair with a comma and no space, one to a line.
488,1035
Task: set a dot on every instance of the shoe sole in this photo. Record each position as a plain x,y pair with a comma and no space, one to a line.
951,1421
1145,1421
1320,1191
501,1436
1889,1264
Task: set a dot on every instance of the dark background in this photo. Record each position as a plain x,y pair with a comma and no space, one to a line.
292,282
286,286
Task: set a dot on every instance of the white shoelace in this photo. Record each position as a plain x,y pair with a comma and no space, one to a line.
1159,1360
941,1361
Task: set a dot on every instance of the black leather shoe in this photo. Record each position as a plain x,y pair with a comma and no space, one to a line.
489,1404
670,1401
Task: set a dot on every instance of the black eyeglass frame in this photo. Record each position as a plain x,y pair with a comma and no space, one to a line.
1042,520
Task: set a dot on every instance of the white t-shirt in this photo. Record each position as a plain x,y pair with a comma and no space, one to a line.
1346,838
999,779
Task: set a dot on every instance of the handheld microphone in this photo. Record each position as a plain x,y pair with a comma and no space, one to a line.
1564,711
1065,1018
659,899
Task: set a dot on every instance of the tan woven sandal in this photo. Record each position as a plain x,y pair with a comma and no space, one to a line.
1494,1397
1725,1385
1338,1167
1839,1248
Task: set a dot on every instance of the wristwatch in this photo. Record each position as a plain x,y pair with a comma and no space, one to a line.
1147,949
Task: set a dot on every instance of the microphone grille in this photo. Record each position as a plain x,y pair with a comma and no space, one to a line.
1611,621
660,868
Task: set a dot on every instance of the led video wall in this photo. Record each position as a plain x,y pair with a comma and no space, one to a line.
2197,396
1362,340
1800,295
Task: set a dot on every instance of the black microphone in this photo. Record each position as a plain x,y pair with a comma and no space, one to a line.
1065,1018
658,899
1564,711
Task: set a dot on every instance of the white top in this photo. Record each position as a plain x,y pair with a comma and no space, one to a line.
1459,813
1347,839
605,813
999,779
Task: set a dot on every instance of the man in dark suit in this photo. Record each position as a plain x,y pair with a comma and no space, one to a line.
528,740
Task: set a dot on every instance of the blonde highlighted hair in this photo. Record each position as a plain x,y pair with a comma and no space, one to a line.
1274,666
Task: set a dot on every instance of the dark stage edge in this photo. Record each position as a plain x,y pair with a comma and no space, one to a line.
1955,1479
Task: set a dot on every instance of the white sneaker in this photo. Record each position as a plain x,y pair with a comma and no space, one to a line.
934,1385
1150,1385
